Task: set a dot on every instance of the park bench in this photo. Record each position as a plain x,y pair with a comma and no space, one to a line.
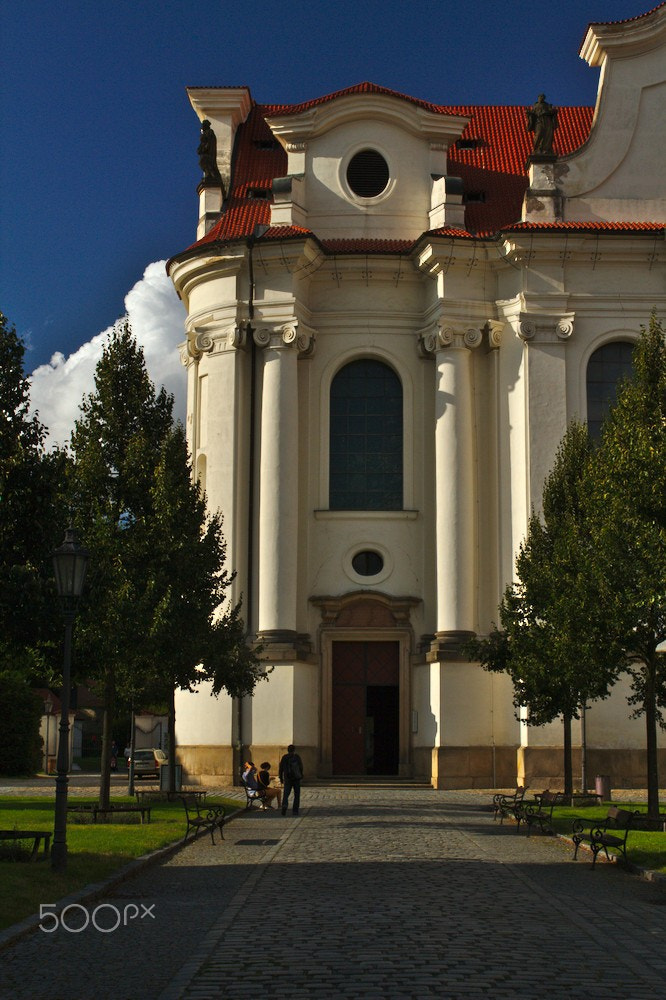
654,824
611,833
37,836
508,805
197,821
252,795
540,812
93,809
146,795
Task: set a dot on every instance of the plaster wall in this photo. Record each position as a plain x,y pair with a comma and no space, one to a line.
400,211
202,719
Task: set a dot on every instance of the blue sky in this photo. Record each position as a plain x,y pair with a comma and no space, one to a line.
98,166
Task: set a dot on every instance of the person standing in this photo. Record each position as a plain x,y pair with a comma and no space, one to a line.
291,775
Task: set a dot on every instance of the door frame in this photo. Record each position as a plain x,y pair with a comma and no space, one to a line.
404,639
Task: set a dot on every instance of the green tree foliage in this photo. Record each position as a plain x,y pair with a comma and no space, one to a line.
627,518
546,641
30,527
30,521
115,444
151,619
20,742
195,633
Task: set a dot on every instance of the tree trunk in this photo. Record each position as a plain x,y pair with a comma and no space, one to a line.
171,737
107,738
568,768
651,740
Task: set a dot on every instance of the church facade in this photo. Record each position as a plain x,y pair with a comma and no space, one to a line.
394,308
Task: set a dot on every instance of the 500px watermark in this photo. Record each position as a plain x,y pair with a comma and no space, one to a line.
105,917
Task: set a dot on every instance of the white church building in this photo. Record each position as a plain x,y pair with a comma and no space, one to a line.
394,308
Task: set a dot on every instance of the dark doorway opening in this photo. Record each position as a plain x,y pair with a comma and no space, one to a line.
366,699
381,729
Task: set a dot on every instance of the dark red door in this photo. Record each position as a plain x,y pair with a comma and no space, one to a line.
365,707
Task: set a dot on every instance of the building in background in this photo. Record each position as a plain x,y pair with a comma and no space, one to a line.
394,308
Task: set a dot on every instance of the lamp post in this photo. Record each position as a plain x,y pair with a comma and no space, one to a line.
48,708
70,562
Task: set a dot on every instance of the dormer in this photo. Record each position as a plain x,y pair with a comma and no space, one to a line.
366,163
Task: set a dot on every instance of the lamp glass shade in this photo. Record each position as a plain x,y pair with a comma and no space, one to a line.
70,561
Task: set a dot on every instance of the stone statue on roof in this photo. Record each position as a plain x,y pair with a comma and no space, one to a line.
542,121
207,152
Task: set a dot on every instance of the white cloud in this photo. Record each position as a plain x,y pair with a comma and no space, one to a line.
156,317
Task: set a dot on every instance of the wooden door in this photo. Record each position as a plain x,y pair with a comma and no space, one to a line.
364,704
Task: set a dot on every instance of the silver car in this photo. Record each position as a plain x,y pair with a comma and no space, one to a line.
147,763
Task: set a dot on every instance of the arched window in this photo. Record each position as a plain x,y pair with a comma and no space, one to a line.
365,464
605,369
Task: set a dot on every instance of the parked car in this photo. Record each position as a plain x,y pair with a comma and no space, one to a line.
147,763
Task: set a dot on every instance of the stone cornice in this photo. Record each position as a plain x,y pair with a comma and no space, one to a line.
442,254
196,270
385,108
398,607
592,249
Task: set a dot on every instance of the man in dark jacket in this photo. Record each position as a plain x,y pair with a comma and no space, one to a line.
291,774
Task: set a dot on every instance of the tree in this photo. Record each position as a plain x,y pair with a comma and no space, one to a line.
30,520
626,497
156,615
30,526
194,633
547,643
115,444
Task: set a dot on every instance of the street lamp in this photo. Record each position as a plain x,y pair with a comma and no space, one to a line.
70,562
48,708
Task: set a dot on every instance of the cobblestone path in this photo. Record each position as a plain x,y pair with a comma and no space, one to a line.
402,893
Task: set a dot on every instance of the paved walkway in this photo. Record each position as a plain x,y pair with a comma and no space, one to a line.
403,893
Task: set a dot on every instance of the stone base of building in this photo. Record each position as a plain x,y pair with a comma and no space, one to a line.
543,767
472,767
212,766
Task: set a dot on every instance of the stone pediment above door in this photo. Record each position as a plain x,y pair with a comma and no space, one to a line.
365,609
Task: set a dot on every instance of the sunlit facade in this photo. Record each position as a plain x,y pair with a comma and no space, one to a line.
393,311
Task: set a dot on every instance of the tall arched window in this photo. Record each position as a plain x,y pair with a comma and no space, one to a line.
365,463
605,369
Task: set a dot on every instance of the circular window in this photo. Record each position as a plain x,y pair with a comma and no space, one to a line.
367,173
367,563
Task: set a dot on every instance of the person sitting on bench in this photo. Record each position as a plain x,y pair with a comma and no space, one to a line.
264,780
251,782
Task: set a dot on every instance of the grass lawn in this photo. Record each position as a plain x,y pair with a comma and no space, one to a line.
95,850
647,850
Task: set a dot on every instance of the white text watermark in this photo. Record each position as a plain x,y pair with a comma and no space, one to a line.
105,917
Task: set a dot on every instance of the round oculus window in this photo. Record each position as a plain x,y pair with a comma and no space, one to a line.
367,563
367,173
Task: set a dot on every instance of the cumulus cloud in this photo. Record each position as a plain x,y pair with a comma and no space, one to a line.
156,316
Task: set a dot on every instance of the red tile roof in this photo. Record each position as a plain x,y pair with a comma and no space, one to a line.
495,167
589,227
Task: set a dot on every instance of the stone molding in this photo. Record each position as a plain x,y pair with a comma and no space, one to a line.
366,609
448,646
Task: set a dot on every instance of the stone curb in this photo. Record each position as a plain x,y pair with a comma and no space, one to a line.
12,934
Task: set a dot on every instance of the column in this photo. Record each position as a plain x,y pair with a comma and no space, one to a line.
278,485
455,486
